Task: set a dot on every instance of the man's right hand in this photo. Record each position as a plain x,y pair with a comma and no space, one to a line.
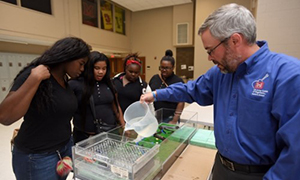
147,97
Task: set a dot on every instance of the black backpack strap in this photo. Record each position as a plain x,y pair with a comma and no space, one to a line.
143,85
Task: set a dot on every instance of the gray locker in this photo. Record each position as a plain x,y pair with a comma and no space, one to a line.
5,86
12,66
12,63
19,63
27,59
4,74
1,95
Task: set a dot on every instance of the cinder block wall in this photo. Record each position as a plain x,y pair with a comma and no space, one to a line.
278,22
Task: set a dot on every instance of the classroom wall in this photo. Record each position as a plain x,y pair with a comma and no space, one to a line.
101,40
203,9
25,26
149,32
278,23
184,14
152,35
153,32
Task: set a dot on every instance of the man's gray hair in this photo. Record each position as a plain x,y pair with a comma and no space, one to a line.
229,19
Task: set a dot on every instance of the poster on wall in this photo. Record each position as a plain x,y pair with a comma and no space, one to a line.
89,13
119,22
107,19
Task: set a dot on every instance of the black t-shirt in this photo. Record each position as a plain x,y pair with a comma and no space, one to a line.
49,130
129,93
156,83
103,103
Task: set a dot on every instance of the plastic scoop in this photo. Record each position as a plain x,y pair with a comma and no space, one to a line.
139,118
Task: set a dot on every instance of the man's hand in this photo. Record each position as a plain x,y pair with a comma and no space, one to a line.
148,97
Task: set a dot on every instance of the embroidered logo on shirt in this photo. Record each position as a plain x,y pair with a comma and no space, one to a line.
258,86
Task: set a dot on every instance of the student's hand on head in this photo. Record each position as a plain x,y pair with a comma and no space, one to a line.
148,98
41,72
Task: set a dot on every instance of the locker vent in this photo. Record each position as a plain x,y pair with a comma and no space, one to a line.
182,33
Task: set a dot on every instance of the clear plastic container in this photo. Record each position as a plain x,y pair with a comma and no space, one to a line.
106,156
91,165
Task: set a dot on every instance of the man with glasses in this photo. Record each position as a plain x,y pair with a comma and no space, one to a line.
256,99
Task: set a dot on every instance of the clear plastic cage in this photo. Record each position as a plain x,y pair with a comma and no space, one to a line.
110,156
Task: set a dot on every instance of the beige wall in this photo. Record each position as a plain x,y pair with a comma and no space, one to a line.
203,9
278,22
183,14
27,26
100,40
151,35
153,32
149,32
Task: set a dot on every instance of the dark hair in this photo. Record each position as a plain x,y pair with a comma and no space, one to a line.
89,81
66,49
168,57
132,56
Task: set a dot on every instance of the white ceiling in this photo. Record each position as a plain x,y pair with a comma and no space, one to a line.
139,5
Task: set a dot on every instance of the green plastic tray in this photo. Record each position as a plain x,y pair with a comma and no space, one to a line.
204,138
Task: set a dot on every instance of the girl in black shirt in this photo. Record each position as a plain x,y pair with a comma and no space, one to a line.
99,110
129,84
41,94
172,110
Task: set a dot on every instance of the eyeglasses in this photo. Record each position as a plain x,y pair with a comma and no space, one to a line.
211,50
165,68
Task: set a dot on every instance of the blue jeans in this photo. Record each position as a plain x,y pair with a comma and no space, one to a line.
38,166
